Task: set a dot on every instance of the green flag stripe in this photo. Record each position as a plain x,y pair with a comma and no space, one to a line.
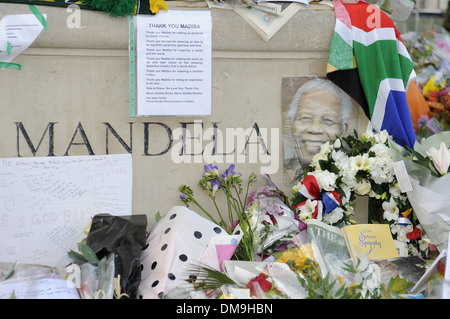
381,53
341,54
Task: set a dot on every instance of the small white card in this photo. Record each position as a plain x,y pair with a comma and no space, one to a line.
44,288
402,176
18,31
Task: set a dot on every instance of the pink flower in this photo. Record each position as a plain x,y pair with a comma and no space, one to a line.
440,158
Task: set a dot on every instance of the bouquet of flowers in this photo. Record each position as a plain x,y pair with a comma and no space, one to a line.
275,257
263,217
357,166
430,53
427,166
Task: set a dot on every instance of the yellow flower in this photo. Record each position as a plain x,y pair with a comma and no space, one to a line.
155,5
432,86
352,289
298,258
407,212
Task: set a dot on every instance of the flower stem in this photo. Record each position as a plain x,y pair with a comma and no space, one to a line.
223,223
207,214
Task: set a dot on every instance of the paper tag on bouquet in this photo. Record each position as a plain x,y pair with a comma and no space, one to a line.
446,285
220,248
402,176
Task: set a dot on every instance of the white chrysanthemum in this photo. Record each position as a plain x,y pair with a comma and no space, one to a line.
382,170
340,158
381,150
334,216
401,231
325,179
349,177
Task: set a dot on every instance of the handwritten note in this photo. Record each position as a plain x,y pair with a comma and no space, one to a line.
46,203
44,288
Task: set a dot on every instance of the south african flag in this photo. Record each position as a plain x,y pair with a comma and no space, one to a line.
370,62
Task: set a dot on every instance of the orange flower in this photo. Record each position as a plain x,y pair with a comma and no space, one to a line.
407,212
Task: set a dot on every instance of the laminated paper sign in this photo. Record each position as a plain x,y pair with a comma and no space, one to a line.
47,202
173,75
17,33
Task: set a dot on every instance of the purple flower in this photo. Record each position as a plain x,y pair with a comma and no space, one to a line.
210,169
230,171
183,196
215,184
422,120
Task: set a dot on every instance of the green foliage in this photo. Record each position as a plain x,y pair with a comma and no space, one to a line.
233,210
86,255
207,278
399,285
116,8
9,273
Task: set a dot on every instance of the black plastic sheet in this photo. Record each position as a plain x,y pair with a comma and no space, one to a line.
125,237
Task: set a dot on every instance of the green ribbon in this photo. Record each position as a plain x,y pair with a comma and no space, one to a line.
131,47
38,15
9,65
9,48
42,20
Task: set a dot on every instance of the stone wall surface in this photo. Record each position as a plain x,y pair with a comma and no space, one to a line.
75,79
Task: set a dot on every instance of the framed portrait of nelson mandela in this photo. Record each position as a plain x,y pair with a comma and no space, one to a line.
314,111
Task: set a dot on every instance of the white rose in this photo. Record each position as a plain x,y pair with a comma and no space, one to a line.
362,188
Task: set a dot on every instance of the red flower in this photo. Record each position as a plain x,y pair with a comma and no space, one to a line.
414,234
272,219
262,282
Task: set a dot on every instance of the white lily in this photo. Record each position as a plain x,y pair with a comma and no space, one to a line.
440,158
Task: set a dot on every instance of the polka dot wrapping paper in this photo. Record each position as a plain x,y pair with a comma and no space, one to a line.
181,241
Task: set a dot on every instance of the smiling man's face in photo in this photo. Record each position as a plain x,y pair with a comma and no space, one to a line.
318,120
